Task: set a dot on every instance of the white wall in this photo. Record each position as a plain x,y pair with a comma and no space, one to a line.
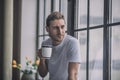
28,30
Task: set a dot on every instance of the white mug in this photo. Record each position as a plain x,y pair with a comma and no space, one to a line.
46,51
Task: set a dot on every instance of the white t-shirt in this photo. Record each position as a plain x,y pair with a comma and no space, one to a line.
67,51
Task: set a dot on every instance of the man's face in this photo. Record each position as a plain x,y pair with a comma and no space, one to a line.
56,30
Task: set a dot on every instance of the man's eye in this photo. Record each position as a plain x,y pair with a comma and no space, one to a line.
59,27
62,27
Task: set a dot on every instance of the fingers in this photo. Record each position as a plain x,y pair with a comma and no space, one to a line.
39,53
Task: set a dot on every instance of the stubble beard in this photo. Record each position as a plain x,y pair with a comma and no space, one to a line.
57,40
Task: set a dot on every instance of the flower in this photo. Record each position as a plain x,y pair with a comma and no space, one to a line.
30,66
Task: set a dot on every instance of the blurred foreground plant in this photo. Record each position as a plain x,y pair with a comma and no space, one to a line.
31,67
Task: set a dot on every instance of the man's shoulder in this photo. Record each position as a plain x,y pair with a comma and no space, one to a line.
48,39
71,38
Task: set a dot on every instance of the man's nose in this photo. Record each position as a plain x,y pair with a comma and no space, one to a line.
60,30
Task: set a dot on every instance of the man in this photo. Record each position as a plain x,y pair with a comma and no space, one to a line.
65,60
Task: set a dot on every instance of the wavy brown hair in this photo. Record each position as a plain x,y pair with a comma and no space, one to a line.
53,16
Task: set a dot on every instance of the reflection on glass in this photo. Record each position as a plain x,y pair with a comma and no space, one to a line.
115,53
96,12
82,37
82,19
116,10
96,54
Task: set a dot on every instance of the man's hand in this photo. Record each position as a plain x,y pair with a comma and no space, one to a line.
42,68
39,53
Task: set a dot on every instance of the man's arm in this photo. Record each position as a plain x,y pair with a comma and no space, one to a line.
42,68
73,68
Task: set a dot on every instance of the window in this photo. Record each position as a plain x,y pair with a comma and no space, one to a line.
96,24
115,57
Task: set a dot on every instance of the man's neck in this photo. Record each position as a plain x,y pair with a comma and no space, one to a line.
55,43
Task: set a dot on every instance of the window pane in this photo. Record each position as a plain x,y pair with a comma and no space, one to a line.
44,11
82,37
96,54
41,17
46,37
115,53
116,10
40,42
47,12
96,12
82,19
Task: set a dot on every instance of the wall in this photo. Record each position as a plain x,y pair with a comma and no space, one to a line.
28,30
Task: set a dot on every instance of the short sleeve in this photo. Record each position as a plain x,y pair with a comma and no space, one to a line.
73,54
